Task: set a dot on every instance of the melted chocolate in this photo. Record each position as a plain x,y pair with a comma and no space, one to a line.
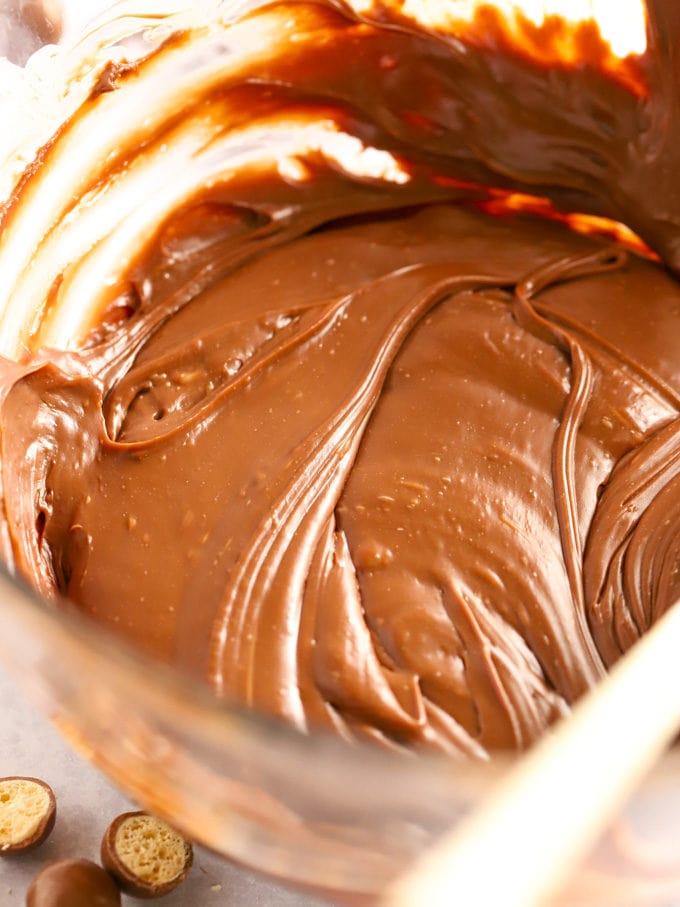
353,450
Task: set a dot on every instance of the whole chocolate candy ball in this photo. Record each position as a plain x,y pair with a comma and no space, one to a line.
73,883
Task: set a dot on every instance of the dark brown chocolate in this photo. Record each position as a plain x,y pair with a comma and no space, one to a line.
355,451
73,883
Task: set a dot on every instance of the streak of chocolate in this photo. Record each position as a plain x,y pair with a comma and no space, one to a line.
358,453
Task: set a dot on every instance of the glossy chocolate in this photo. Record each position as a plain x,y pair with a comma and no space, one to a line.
73,883
349,447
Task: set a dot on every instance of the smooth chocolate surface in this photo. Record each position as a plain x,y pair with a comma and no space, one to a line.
73,883
360,452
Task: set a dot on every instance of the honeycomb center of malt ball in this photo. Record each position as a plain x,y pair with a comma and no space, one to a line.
150,849
23,806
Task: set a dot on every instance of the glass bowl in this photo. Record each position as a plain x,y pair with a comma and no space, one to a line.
314,812
321,814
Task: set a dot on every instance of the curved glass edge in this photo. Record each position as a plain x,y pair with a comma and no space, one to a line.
245,785
311,810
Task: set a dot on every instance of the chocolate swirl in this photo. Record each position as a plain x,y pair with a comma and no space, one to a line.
293,412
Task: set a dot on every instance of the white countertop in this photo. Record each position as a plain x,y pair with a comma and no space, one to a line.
86,803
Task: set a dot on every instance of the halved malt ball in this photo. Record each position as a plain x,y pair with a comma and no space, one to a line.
145,856
28,810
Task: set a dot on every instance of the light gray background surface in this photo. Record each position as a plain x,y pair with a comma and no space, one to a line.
86,803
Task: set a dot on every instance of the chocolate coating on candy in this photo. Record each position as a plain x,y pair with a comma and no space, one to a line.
73,883
28,811
147,858
352,450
